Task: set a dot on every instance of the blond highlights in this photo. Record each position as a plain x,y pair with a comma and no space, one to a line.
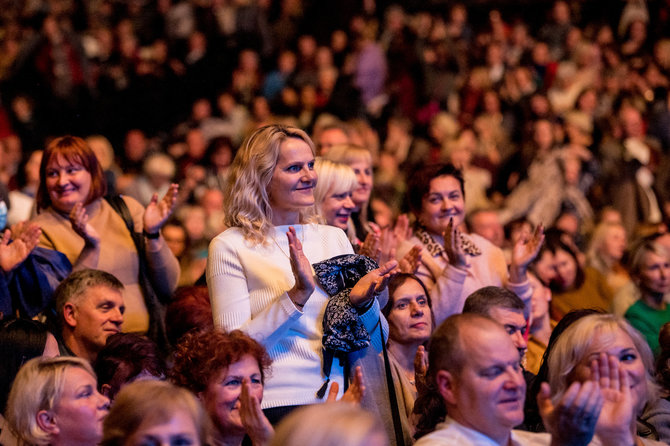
247,201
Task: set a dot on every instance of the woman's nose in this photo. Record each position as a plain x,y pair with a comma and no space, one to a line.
349,203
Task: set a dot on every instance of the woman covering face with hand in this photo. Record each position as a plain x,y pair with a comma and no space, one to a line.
227,373
77,221
607,351
259,271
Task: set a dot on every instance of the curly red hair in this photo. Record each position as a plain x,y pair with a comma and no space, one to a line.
200,356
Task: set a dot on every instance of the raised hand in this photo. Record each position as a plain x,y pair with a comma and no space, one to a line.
370,246
157,212
452,246
372,283
11,255
524,251
402,229
616,418
354,393
572,421
420,367
253,419
302,271
80,225
410,263
387,245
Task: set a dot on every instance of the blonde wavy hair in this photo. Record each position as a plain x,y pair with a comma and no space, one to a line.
577,342
247,201
38,386
334,179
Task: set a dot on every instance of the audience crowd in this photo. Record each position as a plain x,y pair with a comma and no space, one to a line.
259,222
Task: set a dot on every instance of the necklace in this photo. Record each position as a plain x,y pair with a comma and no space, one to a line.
300,232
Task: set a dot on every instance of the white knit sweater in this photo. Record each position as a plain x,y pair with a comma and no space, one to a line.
248,287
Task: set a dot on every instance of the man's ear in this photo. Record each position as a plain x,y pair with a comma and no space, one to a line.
47,422
70,314
446,386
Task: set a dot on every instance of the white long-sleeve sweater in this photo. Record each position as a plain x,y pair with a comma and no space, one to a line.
248,287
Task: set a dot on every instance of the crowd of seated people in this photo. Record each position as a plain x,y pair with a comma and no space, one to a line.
223,221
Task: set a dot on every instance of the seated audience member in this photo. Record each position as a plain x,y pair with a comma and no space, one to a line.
453,264
410,319
155,413
475,392
227,372
77,221
606,249
603,347
331,424
486,223
55,401
650,271
658,415
334,134
20,340
127,357
89,307
533,420
190,309
504,307
541,324
574,287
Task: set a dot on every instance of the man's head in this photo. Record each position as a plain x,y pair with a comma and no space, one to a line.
486,223
476,371
90,309
504,307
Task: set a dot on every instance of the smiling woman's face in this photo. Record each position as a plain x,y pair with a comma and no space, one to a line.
292,185
221,398
619,345
443,202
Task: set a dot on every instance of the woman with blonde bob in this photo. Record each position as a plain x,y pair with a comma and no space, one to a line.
259,270
54,402
155,412
606,349
338,423
333,195
360,159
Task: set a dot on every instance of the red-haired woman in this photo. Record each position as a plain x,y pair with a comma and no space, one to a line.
227,372
77,221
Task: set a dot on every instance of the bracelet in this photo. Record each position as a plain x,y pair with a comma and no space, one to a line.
152,235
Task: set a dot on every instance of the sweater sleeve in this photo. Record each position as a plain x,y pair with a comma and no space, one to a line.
163,265
231,300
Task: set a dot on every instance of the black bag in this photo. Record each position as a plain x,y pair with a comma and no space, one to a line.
155,303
